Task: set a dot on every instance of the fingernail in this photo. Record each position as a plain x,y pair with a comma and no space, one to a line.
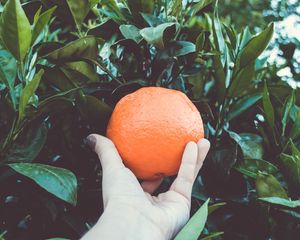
91,142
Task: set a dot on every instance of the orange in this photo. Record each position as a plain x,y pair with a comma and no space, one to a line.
150,129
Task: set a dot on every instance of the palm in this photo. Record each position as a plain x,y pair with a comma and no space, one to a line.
121,188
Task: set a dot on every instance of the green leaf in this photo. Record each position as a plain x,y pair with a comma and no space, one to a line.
94,110
79,10
231,35
251,167
215,206
83,68
256,46
268,108
200,41
8,72
194,227
41,22
245,37
286,111
158,35
138,6
180,48
295,131
282,201
199,6
241,81
242,105
86,47
28,92
212,235
251,144
220,77
175,8
59,181
152,20
131,32
113,11
15,29
268,186
28,148
291,167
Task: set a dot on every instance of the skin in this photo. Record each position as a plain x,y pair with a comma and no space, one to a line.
130,210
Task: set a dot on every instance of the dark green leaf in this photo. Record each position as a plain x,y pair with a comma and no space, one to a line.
212,235
220,77
194,227
282,201
286,111
256,46
295,131
199,6
251,144
59,181
15,29
113,11
215,206
245,37
137,6
86,47
28,149
268,186
158,35
131,32
268,108
242,105
41,22
28,92
152,20
175,8
251,167
79,10
84,69
180,48
8,72
200,41
231,35
241,81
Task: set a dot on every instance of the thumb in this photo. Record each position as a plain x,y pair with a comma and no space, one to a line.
106,151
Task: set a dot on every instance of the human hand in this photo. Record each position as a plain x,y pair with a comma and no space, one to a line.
130,211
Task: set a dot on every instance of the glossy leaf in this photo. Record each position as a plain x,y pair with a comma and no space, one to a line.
29,148
241,81
8,72
215,206
268,186
245,37
138,6
59,181
28,92
86,47
256,46
79,10
286,111
157,35
212,235
268,107
199,6
113,11
282,201
295,131
84,69
152,20
194,227
15,29
242,105
131,32
291,164
250,144
251,167
41,22
175,8
180,48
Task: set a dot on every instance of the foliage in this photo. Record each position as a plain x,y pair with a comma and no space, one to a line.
63,67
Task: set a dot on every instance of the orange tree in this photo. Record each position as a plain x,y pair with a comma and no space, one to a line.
65,64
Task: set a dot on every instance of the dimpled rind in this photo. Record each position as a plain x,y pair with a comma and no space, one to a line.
150,129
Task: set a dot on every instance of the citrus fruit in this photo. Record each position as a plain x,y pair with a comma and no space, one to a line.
150,128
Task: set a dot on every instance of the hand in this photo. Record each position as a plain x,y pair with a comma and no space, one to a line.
130,211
